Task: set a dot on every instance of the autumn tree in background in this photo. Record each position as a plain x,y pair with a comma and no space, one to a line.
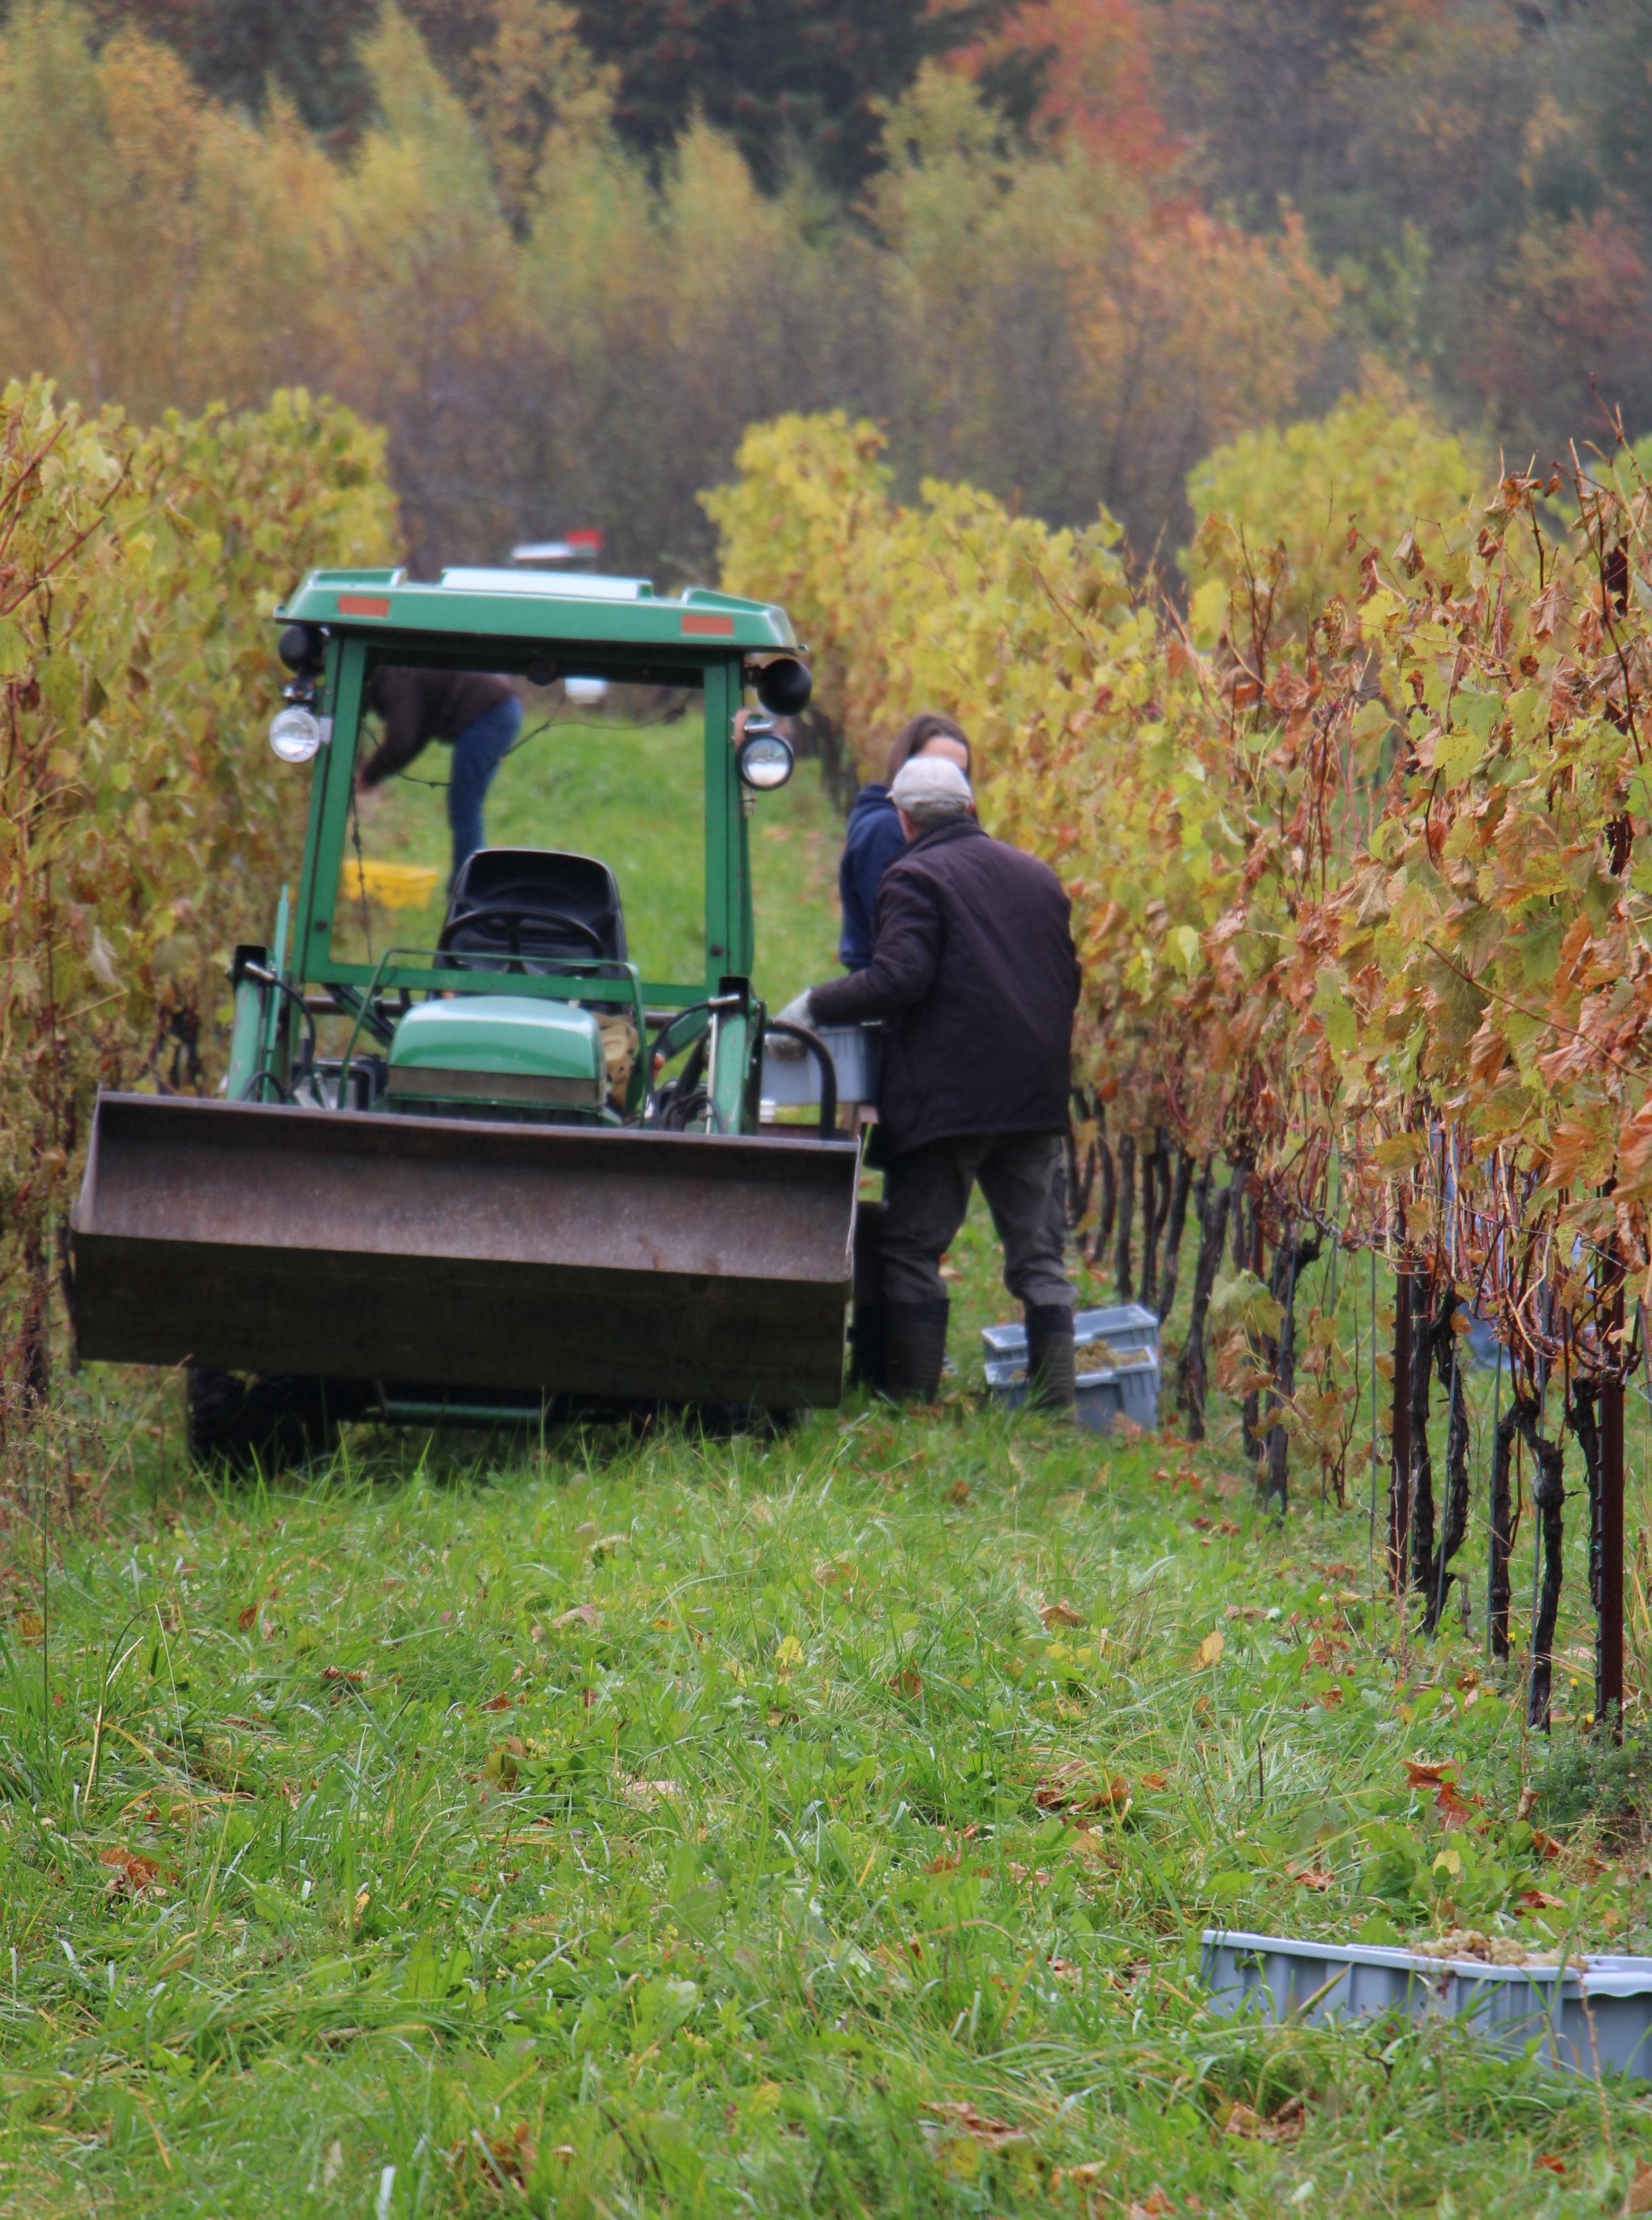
552,335
793,83
1475,172
1061,249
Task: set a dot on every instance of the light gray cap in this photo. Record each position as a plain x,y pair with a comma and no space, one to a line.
930,787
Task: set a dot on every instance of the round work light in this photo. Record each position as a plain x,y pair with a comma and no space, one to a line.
764,760
295,735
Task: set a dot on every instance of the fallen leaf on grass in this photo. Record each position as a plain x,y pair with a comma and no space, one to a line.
1081,2177
1156,2207
908,1683
1419,1775
1637,2198
1451,1806
1060,1614
1210,1649
1538,1899
1154,1780
337,1673
1312,1877
1227,1525
247,1617
646,1793
130,1871
583,1614
1329,1698
959,1491
1527,1805
996,2135
1554,2164
1284,2126
502,1766
502,1702
501,2162
28,1627
1071,1786
1545,1845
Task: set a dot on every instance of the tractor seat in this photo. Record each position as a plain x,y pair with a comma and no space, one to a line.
537,907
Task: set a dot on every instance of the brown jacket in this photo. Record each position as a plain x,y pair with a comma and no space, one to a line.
418,705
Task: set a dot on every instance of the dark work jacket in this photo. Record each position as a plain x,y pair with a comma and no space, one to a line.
418,705
973,961
872,843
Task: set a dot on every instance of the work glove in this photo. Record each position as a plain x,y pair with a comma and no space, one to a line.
797,1011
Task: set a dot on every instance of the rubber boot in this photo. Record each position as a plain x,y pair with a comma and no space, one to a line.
914,1349
1051,1368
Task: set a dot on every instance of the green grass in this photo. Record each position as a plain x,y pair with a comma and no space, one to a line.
626,1823
692,1805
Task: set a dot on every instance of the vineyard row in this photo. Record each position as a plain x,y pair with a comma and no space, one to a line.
1358,841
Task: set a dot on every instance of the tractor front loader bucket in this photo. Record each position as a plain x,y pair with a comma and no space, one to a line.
379,1247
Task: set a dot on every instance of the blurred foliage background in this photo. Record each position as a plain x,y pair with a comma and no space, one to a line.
565,254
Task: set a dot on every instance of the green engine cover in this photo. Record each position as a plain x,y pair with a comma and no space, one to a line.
500,1049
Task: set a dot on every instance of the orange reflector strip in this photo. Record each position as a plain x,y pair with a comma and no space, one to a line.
364,605
710,628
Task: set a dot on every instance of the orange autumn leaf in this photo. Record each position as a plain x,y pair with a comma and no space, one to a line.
136,1872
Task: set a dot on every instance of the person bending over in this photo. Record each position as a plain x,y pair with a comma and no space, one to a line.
475,712
973,966
874,838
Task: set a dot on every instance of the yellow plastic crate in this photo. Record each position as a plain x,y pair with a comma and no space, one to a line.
393,886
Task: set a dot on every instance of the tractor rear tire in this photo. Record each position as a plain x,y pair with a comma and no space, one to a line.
262,1423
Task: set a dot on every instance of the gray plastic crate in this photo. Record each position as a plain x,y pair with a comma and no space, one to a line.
1599,2017
1117,1351
1129,1391
1124,1331
856,1053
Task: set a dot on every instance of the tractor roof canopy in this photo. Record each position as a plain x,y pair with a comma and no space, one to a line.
576,608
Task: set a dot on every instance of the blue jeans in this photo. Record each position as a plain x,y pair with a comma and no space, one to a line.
478,753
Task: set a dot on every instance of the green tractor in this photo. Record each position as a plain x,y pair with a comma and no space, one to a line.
489,1202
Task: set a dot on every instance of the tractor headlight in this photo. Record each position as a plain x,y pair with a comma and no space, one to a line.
295,735
764,760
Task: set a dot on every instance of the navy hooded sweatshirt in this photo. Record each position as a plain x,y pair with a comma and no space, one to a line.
873,842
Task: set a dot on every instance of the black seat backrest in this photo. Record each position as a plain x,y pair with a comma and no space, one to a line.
534,886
